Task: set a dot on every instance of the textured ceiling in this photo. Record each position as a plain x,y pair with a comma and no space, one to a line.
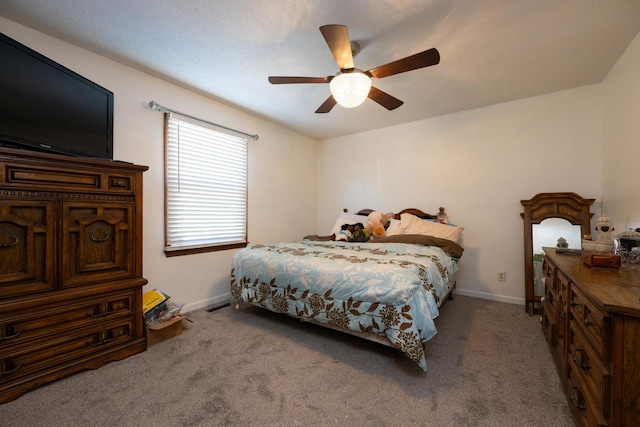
491,51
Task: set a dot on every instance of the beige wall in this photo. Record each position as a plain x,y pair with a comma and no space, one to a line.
621,141
479,164
282,199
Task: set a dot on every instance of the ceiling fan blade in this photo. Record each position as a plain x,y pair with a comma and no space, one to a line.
384,99
279,80
326,105
337,38
419,60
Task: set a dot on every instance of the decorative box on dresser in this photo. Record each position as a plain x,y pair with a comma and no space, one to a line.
70,266
591,318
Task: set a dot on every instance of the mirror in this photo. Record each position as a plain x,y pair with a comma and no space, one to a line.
550,230
568,207
546,234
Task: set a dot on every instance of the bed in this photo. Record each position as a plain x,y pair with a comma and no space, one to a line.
387,290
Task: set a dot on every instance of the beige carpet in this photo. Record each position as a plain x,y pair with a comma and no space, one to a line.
489,365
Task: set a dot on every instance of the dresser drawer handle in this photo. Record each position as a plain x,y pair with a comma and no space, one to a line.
10,371
100,315
12,241
99,236
119,183
11,336
580,362
577,399
104,341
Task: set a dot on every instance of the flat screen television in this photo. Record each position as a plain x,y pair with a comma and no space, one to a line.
45,106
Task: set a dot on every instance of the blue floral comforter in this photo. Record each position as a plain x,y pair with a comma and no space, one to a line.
390,289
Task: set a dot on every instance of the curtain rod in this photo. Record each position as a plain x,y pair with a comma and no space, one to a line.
155,106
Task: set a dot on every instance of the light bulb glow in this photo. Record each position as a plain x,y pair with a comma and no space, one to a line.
350,89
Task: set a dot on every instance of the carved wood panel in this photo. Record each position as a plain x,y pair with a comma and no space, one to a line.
26,247
97,238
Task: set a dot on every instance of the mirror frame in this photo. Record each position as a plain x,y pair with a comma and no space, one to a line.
565,205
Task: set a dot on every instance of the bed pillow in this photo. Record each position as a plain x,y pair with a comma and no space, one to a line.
411,224
347,218
394,228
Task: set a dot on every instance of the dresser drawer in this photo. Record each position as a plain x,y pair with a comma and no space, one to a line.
43,177
22,326
561,316
549,272
548,321
562,285
549,293
592,320
590,414
38,357
588,366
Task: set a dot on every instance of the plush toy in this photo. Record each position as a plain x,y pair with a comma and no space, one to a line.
386,219
378,231
345,233
352,233
374,220
360,234
378,224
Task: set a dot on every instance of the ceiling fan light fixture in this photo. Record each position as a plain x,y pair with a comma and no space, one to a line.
350,89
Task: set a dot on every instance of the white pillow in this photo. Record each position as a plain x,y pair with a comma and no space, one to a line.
411,224
395,227
347,218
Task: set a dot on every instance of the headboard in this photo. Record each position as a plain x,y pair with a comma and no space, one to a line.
413,211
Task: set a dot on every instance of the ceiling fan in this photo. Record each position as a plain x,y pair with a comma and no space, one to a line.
351,86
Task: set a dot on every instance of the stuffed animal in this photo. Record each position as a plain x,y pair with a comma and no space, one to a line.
378,231
374,220
345,233
378,223
352,233
360,234
386,219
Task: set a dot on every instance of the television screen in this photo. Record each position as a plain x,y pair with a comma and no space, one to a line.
47,107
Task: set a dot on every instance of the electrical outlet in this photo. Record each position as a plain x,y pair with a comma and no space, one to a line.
502,276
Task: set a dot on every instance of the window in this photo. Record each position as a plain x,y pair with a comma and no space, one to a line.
206,188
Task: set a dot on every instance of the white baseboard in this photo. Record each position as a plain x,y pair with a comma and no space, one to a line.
492,297
209,302
225,298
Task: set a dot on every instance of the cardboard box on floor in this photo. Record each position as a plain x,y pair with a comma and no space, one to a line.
164,330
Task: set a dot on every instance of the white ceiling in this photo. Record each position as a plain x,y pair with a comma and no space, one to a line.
491,51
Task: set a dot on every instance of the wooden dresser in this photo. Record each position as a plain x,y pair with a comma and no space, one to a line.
70,266
591,318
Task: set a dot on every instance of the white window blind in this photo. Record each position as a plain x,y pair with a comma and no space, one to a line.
206,186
